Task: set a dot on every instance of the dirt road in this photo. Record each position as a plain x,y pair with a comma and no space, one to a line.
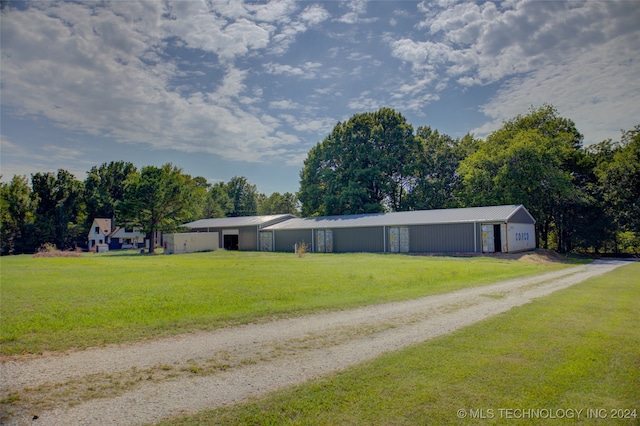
145,382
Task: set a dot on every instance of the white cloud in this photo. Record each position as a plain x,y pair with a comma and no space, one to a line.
23,161
357,8
595,90
365,102
578,56
323,125
308,70
284,104
108,72
314,14
205,30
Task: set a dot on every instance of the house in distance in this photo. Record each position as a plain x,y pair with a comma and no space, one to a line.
103,236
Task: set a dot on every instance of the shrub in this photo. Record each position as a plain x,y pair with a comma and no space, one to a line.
301,249
50,250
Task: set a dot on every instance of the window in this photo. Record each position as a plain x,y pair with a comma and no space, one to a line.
97,230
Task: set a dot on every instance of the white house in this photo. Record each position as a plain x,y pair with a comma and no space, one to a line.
103,236
99,232
127,237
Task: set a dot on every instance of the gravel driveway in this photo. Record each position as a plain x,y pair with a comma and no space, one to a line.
145,382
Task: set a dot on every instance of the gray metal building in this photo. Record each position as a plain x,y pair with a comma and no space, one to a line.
238,233
507,228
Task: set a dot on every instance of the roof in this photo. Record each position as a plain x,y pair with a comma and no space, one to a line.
238,222
120,232
103,224
417,217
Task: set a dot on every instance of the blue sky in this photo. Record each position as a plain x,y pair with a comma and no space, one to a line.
229,88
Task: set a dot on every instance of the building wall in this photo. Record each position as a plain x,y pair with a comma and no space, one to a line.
442,238
190,242
521,237
521,216
284,240
370,239
248,238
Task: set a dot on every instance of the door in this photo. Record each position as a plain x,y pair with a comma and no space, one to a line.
266,241
320,241
324,241
231,242
488,241
399,239
497,240
404,240
328,241
394,240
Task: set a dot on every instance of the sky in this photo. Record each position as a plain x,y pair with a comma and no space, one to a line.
226,88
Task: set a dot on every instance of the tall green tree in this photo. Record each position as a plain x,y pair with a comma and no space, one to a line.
619,180
532,160
104,188
201,199
278,203
157,199
593,219
218,203
60,210
243,196
17,213
437,182
365,165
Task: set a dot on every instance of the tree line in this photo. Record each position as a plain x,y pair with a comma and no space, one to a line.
57,208
583,198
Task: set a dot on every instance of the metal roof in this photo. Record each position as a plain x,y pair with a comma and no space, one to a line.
417,217
238,222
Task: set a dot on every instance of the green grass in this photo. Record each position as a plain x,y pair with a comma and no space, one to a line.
54,304
578,349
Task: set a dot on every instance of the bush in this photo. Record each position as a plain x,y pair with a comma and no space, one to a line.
301,249
50,250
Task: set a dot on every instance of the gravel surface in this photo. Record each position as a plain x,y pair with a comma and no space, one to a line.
146,382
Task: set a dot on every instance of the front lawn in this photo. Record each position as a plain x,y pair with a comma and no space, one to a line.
56,304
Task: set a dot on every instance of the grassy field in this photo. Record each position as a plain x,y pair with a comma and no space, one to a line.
571,357
54,304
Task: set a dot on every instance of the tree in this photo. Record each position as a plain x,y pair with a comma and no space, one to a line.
104,188
157,199
243,196
364,166
60,211
218,203
17,211
278,203
201,199
532,160
437,182
622,177
617,167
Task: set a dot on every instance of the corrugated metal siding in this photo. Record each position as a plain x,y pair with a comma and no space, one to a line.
237,222
441,238
218,230
285,240
488,214
347,240
520,216
248,238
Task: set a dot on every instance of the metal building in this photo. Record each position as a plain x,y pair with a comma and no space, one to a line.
238,233
507,228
